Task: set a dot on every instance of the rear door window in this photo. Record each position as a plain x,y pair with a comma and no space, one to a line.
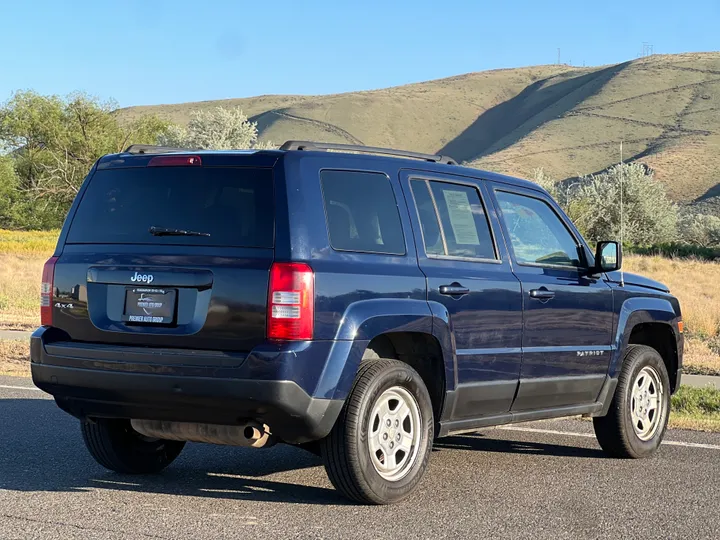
362,213
233,205
462,229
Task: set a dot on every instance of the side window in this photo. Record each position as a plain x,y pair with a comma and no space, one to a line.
537,234
362,213
462,230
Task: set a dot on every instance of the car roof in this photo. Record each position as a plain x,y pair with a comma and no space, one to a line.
269,157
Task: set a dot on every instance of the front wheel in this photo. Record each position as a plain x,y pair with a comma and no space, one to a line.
379,448
637,420
117,446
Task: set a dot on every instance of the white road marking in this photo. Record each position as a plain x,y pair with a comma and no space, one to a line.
20,387
591,436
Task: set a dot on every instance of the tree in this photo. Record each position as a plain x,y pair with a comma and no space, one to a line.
53,142
8,192
700,229
218,128
649,217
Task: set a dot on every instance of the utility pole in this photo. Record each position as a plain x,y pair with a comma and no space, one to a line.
558,61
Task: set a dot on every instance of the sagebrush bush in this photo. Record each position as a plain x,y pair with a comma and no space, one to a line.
700,229
219,128
648,215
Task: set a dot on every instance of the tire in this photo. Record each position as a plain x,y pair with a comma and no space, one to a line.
631,429
116,446
388,473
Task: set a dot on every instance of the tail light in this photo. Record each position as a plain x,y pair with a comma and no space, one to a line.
291,302
46,292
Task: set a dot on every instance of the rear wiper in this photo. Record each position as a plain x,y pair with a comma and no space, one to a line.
162,231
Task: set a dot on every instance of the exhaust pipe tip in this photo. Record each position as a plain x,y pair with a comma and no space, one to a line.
252,434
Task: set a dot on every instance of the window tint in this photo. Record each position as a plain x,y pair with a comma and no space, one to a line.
537,234
428,218
233,205
465,225
362,212
465,229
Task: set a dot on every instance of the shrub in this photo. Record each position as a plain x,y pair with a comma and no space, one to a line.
215,129
700,229
648,216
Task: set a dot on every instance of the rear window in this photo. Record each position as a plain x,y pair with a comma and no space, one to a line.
362,212
233,205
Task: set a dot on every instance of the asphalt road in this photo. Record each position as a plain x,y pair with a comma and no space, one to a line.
541,480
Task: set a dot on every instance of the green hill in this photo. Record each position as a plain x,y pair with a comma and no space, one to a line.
568,120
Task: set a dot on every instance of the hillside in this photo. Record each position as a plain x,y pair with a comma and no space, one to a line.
565,119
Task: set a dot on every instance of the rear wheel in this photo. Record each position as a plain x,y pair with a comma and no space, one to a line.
637,420
117,446
379,448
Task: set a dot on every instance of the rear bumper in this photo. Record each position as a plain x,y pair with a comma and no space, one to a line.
292,414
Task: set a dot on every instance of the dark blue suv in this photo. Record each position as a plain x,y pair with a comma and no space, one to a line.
356,305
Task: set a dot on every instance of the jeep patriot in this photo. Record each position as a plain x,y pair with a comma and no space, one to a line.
358,302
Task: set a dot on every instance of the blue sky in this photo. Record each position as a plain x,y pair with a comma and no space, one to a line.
149,52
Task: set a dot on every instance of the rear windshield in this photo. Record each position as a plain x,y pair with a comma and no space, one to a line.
233,205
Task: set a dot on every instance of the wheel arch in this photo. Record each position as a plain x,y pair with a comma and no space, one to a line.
403,329
422,352
652,322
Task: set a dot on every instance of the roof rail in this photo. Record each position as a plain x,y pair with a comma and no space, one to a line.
153,149
309,145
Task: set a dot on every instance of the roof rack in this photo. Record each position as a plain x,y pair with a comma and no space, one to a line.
309,145
153,149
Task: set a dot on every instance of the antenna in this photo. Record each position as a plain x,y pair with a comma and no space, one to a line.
622,215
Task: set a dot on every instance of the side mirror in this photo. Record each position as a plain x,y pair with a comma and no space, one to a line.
608,256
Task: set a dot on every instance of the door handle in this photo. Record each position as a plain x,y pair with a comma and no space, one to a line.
453,289
542,294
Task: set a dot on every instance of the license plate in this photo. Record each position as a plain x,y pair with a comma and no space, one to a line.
145,305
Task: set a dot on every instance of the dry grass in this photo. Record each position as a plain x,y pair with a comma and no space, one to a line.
22,255
700,359
695,423
695,283
14,358
20,277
